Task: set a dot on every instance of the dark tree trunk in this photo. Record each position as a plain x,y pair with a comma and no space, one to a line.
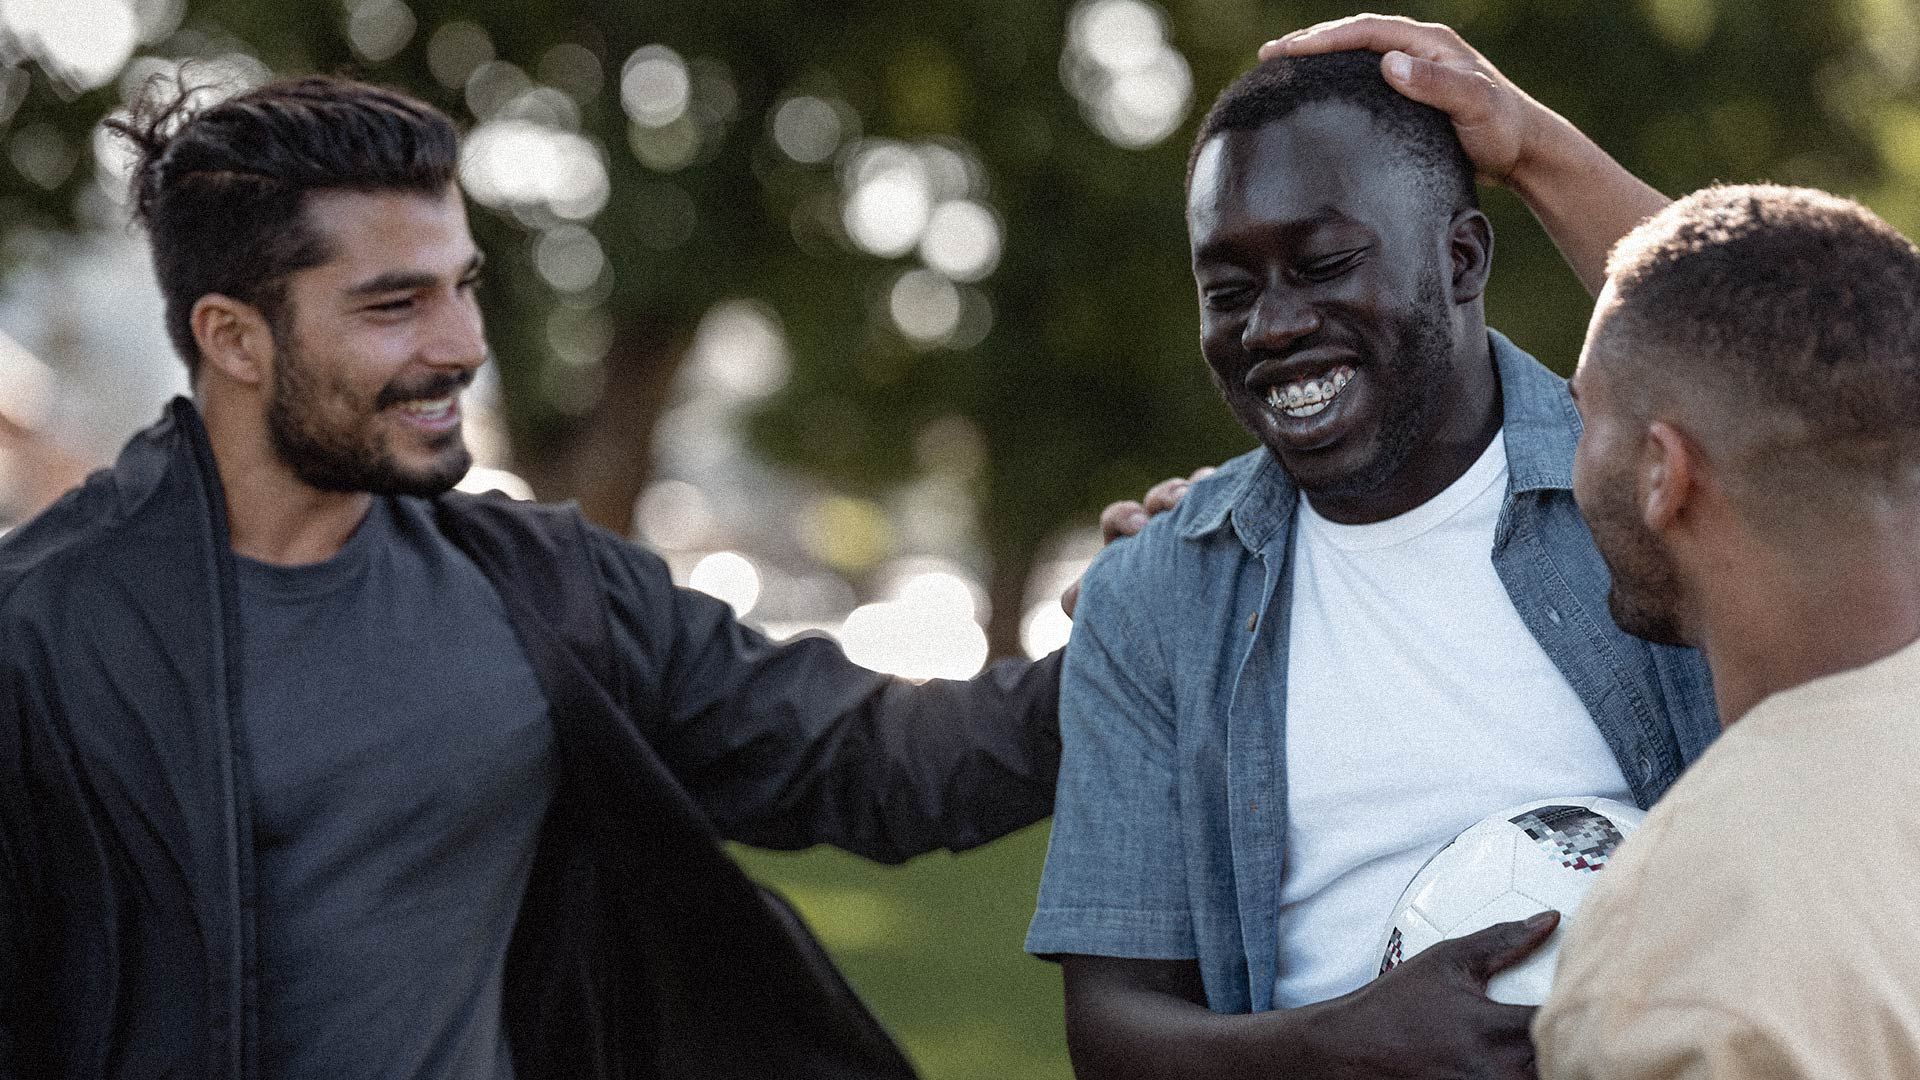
1007,592
606,461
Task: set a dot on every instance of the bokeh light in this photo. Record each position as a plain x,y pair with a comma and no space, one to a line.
807,129
925,306
1045,627
573,68
1132,84
655,86
81,44
673,515
889,198
379,29
728,576
928,631
456,50
518,163
962,240
740,351
569,258
481,479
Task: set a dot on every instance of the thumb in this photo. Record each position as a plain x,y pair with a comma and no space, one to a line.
1485,953
1465,96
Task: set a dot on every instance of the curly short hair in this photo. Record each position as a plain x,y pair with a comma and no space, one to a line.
1791,316
1277,88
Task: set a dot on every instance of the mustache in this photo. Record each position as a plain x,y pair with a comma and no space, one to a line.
434,386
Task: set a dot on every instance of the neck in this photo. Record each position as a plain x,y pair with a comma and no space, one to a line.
272,515
1773,623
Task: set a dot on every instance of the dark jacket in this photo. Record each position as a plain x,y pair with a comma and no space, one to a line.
127,875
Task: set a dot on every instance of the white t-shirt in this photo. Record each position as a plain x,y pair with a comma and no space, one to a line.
1417,704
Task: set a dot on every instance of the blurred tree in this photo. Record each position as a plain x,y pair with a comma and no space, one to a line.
643,162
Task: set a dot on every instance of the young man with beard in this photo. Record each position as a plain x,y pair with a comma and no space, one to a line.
1394,623
1751,470
314,768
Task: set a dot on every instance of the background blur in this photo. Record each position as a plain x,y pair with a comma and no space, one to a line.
859,312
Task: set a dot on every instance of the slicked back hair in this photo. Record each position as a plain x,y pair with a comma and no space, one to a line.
223,190
1788,320
1277,88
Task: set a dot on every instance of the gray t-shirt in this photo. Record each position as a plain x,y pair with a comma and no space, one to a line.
402,760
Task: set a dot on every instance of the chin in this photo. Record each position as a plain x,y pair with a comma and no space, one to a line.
1645,620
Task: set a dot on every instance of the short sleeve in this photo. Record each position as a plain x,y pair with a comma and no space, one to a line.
1115,878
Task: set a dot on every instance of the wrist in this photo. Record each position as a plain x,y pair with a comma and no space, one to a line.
1552,153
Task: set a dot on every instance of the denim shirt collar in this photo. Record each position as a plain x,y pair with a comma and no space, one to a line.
1538,419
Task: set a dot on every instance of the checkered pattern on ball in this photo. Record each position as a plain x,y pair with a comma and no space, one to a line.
1578,837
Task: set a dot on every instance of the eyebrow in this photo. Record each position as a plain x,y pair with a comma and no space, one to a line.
407,280
1225,249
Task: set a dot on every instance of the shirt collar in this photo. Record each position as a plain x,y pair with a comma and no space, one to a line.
1541,426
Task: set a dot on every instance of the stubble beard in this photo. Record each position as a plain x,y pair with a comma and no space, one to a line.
331,443
1643,594
1421,358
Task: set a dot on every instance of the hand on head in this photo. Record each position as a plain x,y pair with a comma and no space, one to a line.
1430,63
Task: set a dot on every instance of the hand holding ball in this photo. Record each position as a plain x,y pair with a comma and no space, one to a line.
1542,856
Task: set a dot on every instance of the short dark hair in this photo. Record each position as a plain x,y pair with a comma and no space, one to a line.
1277,88
222,190
1788,317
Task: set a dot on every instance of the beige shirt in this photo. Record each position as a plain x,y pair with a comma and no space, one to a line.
1765,921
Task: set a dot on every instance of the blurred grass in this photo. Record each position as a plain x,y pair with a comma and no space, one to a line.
934,947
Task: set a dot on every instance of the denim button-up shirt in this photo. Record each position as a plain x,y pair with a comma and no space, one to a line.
1169,826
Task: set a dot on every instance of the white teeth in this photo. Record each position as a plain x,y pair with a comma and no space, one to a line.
435,409
1309,396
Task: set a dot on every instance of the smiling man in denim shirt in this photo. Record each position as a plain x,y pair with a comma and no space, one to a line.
1386,622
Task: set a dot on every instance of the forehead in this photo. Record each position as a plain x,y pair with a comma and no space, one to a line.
1325,159
382,230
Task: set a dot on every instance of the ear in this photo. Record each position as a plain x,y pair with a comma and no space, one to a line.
1670,476
233,337
1470,246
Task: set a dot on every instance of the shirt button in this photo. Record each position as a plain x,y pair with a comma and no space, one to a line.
1553,616
1253,620
1646,767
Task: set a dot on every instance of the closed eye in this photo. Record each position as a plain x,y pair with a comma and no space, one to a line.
1227,296
1332,266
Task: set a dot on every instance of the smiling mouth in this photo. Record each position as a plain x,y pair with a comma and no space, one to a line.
1306,397
432,412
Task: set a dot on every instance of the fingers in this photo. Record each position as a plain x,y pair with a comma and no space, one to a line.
1374,33
1124,518
1465,95
1201,473
1166,495
1485,953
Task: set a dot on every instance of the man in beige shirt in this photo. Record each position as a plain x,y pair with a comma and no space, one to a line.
1751,471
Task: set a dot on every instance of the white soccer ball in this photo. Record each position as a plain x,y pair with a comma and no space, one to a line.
1540,856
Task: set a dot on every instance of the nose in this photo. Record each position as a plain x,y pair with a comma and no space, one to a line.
458,338
1279,318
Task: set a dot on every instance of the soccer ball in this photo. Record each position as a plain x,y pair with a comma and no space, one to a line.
1536,857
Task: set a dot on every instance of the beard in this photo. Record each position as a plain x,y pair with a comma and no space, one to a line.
1420,357
1643,597
332,442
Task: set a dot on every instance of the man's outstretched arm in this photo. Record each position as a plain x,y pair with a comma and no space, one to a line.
1583,197
1428,1017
